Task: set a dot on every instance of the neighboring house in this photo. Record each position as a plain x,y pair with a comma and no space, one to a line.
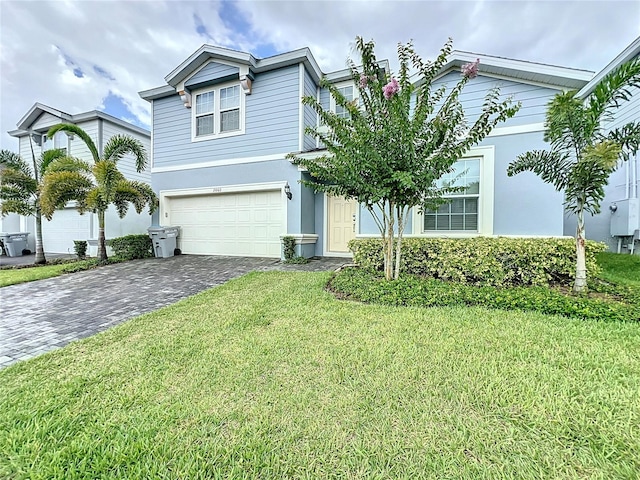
225,121
618,224
68,225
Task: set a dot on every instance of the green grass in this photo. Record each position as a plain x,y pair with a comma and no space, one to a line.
269,376
22,275
621,269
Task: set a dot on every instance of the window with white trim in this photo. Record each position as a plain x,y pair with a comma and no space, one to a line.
218,112
349,92
470,211
205,113
461,213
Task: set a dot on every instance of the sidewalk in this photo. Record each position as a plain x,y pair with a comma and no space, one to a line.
29,259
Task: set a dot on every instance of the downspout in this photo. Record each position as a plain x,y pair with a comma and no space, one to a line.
100,139
635,175
627,177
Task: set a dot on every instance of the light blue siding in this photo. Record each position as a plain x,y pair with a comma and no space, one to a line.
523,204
325,98
307,201
309,113
272,116
534,98
212,72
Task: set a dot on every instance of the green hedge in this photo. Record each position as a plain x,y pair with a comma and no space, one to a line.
131,247
483,261
367,286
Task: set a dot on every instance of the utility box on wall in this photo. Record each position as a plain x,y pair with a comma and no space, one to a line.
625,217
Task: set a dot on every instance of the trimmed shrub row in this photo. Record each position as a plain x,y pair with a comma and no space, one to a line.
131,247
483,261
408,290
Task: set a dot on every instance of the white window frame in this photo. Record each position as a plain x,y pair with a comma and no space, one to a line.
217,124
347,83
485,200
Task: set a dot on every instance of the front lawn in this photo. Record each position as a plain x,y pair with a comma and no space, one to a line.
269,376
13,276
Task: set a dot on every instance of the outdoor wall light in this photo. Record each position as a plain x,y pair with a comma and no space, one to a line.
287,191
613,207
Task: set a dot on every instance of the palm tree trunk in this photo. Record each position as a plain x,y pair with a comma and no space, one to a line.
102,244
40,258
580,285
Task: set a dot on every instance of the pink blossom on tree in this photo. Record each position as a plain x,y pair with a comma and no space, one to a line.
391,88
470,70
364,80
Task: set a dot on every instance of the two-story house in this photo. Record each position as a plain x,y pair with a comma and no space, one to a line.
224,122
68,225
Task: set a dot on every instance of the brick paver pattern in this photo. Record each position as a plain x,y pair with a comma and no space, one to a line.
39,316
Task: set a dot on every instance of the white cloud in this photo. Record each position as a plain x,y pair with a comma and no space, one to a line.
137,43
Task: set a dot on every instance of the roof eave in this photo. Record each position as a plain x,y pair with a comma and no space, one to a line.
35,111
157,92
632,51
555,76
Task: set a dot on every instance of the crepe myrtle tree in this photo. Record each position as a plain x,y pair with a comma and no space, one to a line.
399,138
582,153
95,187
20,185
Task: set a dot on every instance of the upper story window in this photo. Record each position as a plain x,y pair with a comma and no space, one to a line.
60,141
218,112
349,92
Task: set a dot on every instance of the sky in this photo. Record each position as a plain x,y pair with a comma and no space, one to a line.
82,55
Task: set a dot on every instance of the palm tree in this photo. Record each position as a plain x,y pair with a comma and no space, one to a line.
95,187
583,154
20,186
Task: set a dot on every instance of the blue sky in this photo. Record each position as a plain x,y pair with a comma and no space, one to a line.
78,56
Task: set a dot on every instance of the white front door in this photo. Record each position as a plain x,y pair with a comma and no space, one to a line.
341,223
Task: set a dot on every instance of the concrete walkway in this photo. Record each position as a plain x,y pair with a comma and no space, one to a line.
39,316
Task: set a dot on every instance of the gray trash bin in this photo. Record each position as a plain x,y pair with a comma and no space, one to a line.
164,240
14,243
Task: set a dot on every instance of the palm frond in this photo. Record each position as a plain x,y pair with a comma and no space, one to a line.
585,188
628,137
613,89
76,130
49,156
68,164
18,179
566,124
61,187
552,167
9,159
107,177
121,145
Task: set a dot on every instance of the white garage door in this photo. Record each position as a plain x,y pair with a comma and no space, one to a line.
240,224
66,226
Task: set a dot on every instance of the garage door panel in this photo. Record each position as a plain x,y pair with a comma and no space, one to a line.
66,226
248,224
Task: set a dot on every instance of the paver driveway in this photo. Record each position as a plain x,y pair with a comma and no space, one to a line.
44,315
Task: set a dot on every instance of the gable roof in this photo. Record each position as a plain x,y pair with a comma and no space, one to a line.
627,54
36,111
257,65
32,115
540,73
